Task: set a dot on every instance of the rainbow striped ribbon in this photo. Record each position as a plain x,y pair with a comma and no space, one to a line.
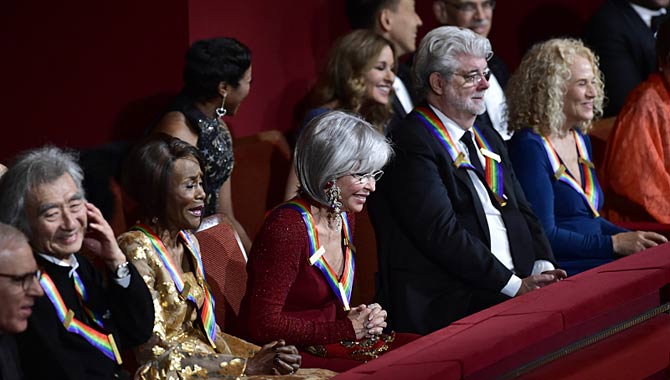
589,193
207,317
494,170
83,295
207,311
342,287
104,343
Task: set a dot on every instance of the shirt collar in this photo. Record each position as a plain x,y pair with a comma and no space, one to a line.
71,262
454,130
646,14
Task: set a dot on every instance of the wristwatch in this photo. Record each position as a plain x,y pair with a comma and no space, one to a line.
122,270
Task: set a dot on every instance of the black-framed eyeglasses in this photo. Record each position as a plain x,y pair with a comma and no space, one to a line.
474,79
471,6
24,279
362,178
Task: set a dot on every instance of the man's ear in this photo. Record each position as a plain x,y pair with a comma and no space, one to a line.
440,11
437,83
385,20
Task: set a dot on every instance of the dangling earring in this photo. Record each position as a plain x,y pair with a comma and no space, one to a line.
221,111
334,197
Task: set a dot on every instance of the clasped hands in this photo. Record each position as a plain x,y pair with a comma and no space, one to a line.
369,321
274,358
538,281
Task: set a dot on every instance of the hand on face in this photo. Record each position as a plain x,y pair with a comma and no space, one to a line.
100,240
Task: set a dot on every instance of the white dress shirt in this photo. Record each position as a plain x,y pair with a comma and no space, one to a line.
497,231
403,95
494,99
646,14
72,262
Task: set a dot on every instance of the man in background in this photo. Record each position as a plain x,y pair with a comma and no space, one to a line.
477,15
397,21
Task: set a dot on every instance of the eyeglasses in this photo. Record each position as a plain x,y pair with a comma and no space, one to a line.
24,279
471,6
362,178
474,79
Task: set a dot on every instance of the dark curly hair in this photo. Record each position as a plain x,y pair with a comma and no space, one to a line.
212,61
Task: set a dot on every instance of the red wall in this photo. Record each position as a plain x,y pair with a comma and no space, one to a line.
82,73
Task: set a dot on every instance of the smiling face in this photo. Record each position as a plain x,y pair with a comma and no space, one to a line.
56,214
581,91
17,259
459,100
186,196
379,79
476,15
354,192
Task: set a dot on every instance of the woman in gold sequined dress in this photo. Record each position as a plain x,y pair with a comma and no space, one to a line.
165,176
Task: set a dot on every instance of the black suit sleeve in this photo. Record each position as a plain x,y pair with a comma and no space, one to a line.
133,309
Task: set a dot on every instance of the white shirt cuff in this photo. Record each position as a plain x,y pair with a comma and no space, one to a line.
512,287
123,282
542,266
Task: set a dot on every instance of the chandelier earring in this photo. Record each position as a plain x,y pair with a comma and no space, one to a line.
335,206
221,111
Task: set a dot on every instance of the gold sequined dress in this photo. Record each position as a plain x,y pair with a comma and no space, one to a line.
178,348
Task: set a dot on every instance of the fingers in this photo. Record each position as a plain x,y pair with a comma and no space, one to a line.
285,364
291,350
654,237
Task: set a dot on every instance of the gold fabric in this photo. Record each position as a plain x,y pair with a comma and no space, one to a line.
178,348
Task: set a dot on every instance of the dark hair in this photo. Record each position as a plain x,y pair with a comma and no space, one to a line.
212,61
147,171
663,42
362,14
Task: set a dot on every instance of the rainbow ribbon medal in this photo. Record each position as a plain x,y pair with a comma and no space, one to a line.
589,193
494,170
104,343
83,295
341,287
207,317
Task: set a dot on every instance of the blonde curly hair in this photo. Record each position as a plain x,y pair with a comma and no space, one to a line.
350,59
536,90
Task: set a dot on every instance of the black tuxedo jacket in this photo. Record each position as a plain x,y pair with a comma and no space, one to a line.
626,47
48,351
404,73
435,262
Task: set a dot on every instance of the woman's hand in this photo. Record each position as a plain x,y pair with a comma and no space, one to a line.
376,320
627,243
359,319
275,358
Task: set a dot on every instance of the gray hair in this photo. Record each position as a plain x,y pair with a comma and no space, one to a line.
10,237
334,145
33,168
440,51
